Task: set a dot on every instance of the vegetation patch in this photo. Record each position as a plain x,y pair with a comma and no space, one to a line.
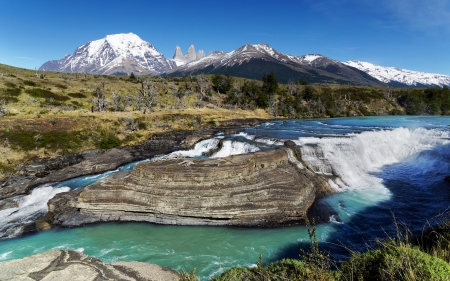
109,141
29,83
27,140
46,94
77,95
395,263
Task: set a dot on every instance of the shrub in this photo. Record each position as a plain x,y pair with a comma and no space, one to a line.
61,86
46,94
395,263
109,141
29,83
77,95
27,140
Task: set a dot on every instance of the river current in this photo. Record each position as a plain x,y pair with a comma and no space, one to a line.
389,169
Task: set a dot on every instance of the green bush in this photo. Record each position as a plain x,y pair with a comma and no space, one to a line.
77,95
395,264
29,83
46,94
109,141
27,140
61,86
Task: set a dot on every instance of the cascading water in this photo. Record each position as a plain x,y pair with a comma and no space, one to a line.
29,208
384,165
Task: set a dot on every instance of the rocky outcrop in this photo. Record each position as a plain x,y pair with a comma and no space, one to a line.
178,54
191,55
107,161
72,265
265,188
200,54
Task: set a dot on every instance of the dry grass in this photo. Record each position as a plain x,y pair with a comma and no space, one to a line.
72,113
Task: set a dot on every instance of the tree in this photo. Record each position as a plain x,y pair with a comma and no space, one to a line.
270,88
270,84
222,83
203,84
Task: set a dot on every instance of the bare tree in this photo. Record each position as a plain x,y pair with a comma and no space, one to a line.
388,93
203,84
100,92
2,108
119,102
146,96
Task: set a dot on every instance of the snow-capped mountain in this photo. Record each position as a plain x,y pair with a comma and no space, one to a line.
114,54
398,77
255,60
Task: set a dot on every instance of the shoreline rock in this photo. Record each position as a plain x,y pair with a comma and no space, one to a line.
266,188
72,265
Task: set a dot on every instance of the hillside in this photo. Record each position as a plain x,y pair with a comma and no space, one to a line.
44,114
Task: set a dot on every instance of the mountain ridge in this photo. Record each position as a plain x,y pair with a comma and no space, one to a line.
122,54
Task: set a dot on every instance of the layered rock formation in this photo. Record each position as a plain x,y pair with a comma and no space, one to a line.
72,265
265,188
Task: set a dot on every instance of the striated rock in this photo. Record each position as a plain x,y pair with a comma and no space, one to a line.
72,265
265,188
109,160
289,143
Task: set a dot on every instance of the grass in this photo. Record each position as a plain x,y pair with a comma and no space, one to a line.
401,258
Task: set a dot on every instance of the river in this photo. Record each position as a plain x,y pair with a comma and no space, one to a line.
390,169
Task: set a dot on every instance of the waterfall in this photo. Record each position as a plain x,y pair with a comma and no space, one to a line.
354,158
29,208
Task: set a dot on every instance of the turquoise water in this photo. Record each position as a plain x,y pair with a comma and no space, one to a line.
389,165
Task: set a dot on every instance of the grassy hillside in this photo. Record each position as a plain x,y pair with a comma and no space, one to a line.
43,114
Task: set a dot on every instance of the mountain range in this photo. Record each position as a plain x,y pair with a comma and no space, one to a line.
122,54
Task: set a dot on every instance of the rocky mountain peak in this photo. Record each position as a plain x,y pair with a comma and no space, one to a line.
115,54
191,55
178,54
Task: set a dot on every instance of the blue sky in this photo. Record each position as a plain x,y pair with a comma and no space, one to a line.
411,34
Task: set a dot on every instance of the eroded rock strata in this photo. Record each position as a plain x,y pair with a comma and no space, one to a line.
72,265
265,188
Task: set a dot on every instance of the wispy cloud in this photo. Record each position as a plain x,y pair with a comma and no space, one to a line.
24,58
421,14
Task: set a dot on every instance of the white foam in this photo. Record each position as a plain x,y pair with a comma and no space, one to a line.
4,256
199,149
30,207
234,148
356,157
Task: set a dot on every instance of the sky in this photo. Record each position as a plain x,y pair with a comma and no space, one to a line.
409,34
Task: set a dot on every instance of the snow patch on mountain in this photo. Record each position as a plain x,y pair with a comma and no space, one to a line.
117,53
403,76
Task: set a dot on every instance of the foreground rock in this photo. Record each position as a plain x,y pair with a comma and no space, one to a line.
71,265
266,188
